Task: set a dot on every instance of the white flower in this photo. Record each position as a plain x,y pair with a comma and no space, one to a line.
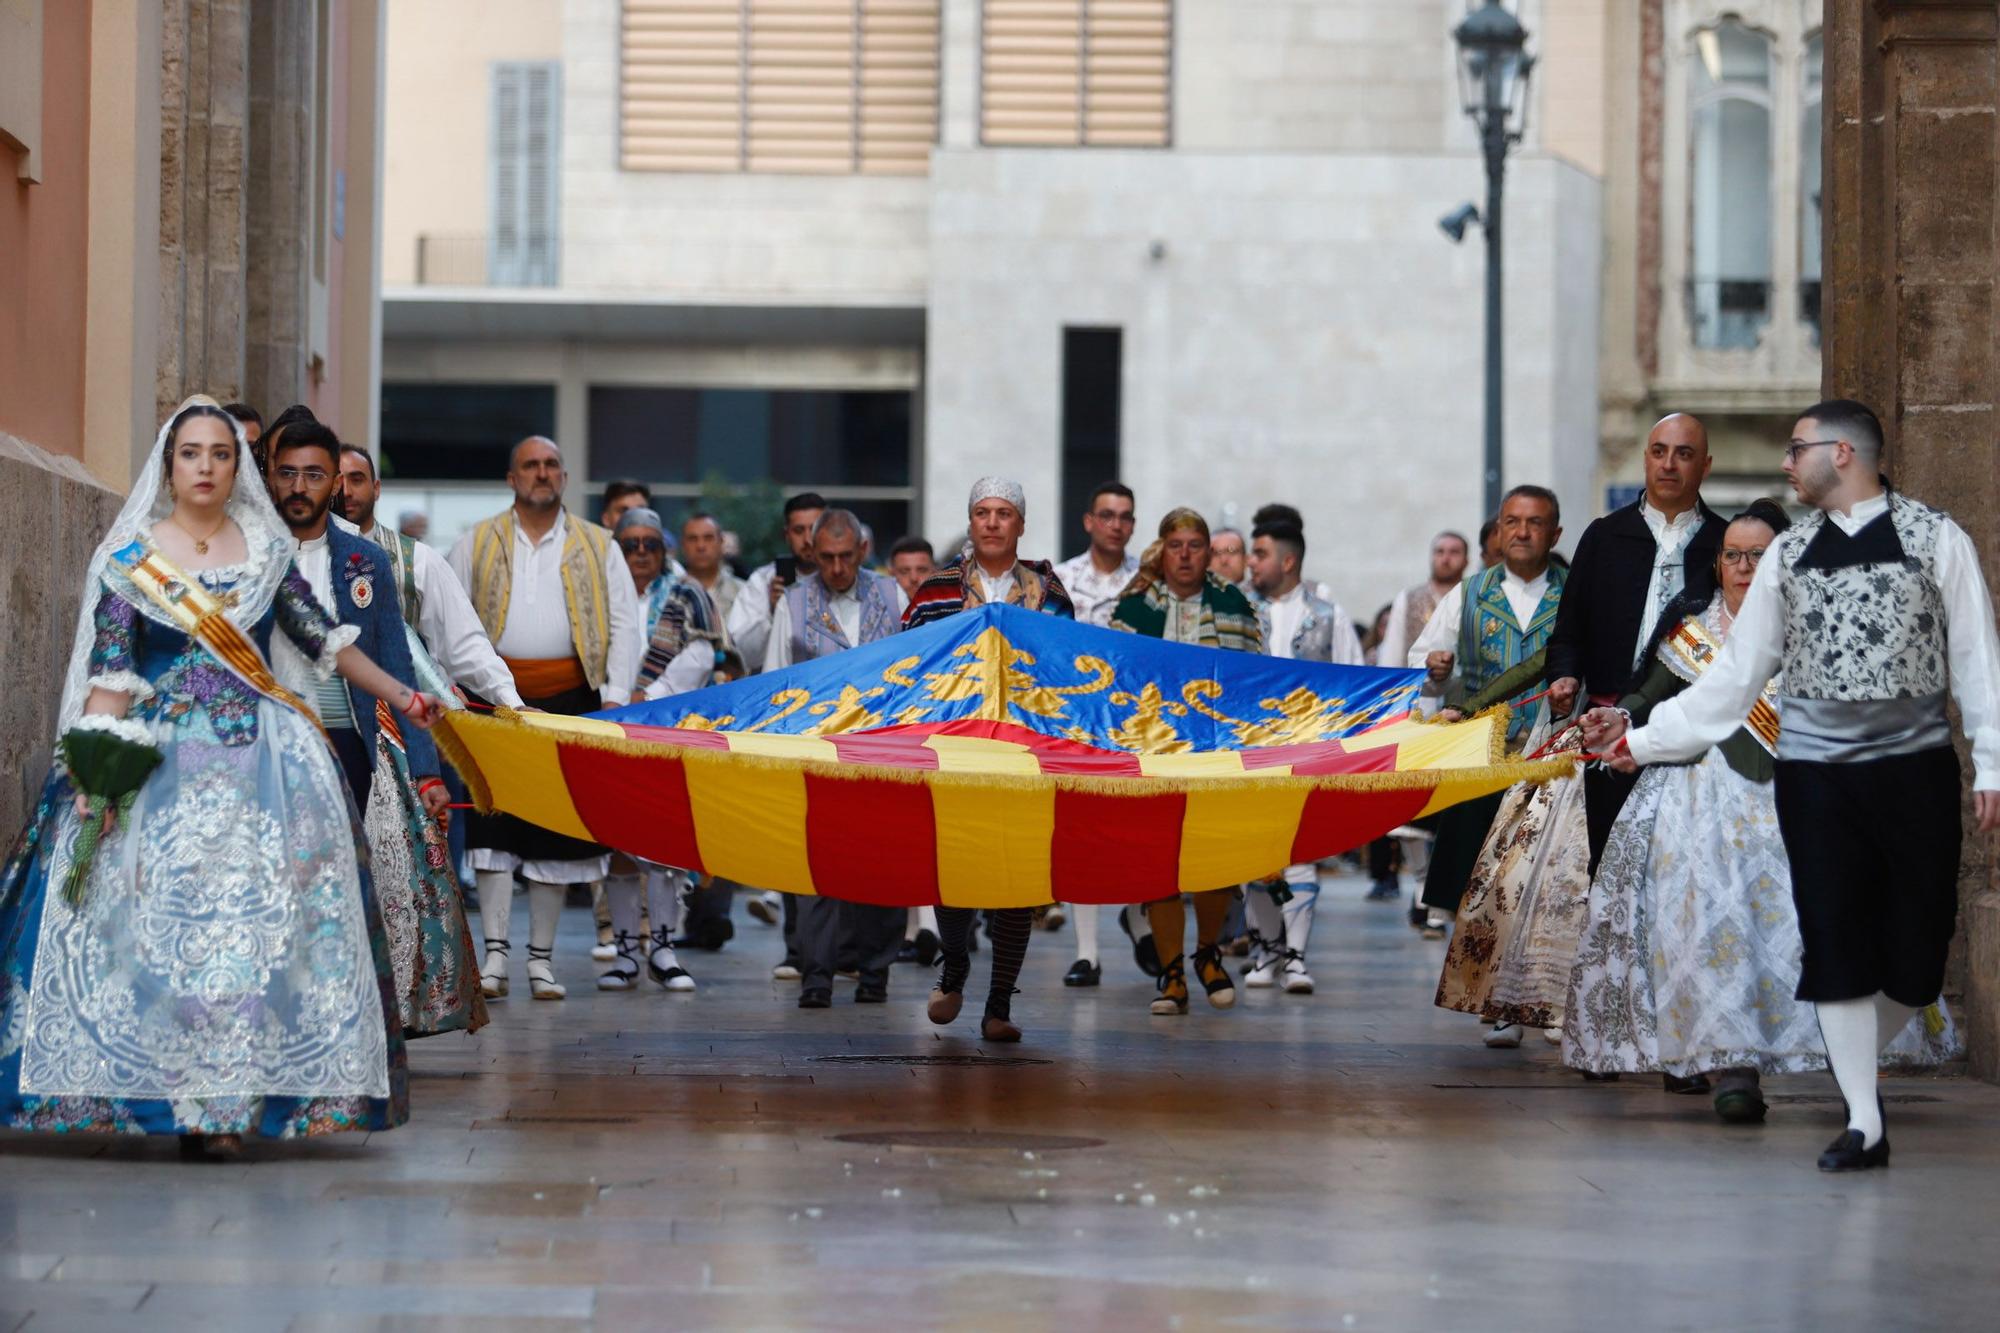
125,728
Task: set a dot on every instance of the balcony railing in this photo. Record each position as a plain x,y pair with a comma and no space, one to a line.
1728,313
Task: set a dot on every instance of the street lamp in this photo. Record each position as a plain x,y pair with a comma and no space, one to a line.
1493,69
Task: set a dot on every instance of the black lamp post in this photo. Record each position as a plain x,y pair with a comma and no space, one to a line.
1493,69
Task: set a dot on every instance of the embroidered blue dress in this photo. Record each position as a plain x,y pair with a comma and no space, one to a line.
226,971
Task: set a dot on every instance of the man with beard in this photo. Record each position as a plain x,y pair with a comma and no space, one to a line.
1870,612
433,601
1411,610
556,599
352,580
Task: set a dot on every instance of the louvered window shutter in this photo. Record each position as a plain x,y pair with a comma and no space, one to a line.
814,86
1075,72
526,175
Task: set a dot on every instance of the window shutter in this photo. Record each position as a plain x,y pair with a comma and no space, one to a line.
681,85
1069,72
815,86
525,194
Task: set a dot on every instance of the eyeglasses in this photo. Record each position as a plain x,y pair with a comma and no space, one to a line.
311,476
1797,447
1112,516
1749,557
634,545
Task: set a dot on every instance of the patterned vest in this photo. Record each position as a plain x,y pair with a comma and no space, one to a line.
1418,603
816,630
585,594
1865,657
403,555
1491,641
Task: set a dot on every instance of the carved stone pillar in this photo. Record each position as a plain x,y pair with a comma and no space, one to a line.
1912,325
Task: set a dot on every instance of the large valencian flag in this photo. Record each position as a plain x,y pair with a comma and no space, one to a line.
998,758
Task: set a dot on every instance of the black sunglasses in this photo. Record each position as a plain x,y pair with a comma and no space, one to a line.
650,545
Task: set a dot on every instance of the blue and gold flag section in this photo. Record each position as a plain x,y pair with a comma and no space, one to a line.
999,758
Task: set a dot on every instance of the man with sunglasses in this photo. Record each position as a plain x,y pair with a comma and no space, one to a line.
1628,566
1870,612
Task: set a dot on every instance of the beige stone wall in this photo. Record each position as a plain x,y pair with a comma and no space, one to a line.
437,107
52,514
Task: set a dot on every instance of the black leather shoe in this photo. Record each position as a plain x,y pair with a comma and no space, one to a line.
1686,1087
1083,972
871,994
815,999
926,944
1846,1153
1592,1076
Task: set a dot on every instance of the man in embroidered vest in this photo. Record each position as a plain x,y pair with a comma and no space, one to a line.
433,601
1629,564
351,579
1869,612
1412,607
1490,624
556,599
1299,625
1177,596
839,606
989,569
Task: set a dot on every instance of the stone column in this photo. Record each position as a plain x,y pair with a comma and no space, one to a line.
204,107
283,42
1912,199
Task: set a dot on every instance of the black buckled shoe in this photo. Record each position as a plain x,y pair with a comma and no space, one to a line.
1083,972
1145,952
816,998
1846,1153
1694,1086
868,994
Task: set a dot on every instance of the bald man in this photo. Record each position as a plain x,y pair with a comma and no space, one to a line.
555,598
1628,566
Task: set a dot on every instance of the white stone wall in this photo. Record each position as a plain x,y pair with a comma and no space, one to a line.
1306,334
694,235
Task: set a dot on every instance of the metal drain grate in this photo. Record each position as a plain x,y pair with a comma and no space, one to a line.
955,1138
981,1061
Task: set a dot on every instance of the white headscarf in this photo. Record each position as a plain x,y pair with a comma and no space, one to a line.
998,488
266,540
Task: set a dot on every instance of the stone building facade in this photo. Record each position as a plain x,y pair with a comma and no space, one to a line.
195,213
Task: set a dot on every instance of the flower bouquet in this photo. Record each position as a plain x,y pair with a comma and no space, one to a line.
109,759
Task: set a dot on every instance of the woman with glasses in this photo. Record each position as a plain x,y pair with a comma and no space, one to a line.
1690,956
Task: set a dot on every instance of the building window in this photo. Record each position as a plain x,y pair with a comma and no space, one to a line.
1092,379
525,193
812,86
1809,185
459,432
1076,72
1729,105
856,447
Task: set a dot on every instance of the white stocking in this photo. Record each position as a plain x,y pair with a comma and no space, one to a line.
665,902
545,903
1852,1048
1298,915
496,905
1086,930
1265,919
621,893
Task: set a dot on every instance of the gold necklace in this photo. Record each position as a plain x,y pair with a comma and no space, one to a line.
200,543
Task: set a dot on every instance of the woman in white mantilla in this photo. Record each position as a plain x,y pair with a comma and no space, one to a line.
220,969
1690,956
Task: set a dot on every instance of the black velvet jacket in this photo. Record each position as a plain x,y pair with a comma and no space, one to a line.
1597,626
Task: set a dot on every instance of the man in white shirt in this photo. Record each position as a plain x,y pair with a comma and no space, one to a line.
1412,607
837,607
1870,612
1301,626
1629,565
433,600
1466,648
749,622
555,598
1096,578
701,556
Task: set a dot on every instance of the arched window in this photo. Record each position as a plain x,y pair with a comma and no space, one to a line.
1809,186
1729,110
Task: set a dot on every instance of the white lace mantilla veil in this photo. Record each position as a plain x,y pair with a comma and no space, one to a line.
266,540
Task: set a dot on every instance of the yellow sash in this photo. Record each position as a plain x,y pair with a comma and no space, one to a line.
586,597
1691,649
200,615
